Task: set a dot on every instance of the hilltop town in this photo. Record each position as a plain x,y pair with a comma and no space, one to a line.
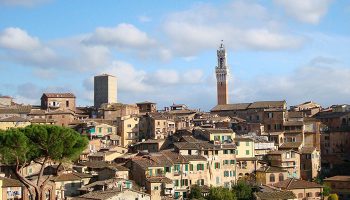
138,151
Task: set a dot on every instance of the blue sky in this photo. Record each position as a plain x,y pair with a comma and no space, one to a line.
165,51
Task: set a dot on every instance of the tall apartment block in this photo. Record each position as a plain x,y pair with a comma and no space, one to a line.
105,89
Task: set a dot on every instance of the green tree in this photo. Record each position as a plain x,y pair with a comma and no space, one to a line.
42,144
220,193
333,197
196,192
326,190
243,190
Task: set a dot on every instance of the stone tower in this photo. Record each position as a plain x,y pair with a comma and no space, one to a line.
105,89
222,73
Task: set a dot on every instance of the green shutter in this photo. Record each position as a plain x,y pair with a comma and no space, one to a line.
186,167
150,172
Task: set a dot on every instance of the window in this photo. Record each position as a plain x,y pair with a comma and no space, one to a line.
67,103
225,151
257,117
232,151
176,183
247,152
176,168
184,182
309,194
247,144
272,178
186,167
237,143
206,152
191,167
232,162
226,174
189,152
270,115
156,188
280,177
226,162
100,130
217,165
200,167
167,169
200,181
109,130
129,125
268,127
158,123
216,152
150,172
300,195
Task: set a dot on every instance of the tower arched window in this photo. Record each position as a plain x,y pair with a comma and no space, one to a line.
272,178
280,177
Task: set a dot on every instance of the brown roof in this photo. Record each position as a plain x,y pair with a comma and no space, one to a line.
74,176
270,169
216,130
98,164
290,145
14,119
18,109
159,179
338,178
307,150
267,104
228,107
291,183
58,95
194,158
9,182
103,195
276,195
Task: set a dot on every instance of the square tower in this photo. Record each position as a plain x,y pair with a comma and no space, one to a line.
105,89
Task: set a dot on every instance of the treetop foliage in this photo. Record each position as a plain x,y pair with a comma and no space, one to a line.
36,142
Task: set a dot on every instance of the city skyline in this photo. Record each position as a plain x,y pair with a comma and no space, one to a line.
166,53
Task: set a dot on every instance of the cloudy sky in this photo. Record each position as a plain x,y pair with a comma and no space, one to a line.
165,51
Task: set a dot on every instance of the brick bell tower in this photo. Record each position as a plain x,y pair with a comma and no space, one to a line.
222,73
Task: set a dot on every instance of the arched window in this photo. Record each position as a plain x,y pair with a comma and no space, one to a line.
280,177
272,178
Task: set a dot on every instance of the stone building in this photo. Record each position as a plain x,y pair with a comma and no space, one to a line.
302,189
288,160
105,90
58,101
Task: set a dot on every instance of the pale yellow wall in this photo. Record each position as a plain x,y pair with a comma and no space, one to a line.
129,124
243,147
305,191
8,125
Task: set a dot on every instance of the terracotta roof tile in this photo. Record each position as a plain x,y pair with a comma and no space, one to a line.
291,183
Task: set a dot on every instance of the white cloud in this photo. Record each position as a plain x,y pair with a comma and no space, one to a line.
18,39
308,11
323,80
124,36
241,24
